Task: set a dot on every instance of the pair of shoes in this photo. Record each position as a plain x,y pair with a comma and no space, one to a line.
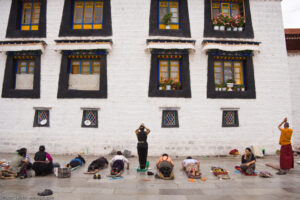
150,173
46,192
281,173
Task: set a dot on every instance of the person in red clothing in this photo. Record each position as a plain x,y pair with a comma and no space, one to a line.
286,151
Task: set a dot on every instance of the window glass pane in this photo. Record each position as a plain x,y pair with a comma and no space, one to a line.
162,12
31,67
164,68
164,63
27,13
228,73
96,67
235,9
75,67
78,12
174,76
85,67
225,9
174,69
164,76
98,15
88,13
36,13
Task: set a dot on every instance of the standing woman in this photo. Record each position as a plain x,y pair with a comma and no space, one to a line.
42,162
286,151
142,146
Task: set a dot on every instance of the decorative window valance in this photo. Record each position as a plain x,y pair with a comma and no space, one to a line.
171,44
16,45
83,44
230,45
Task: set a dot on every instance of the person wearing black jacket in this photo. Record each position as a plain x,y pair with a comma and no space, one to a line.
142,145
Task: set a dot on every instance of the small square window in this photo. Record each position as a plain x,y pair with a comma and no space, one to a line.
41,118
230,118
90,119
170,119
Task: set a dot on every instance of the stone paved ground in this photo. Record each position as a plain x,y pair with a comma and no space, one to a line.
140,186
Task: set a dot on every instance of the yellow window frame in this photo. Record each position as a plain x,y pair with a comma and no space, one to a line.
241,71
225,6
177,66
98,4
163,65
167,4
221,67
96,65
75,69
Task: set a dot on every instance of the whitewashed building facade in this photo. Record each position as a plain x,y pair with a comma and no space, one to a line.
83,75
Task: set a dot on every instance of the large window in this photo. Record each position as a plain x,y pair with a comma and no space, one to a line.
169,18
83,74
169,14
229,68
228,19
22,75
169,72
170,75
88,14
86,18
227,8
27,19
230,74
30,15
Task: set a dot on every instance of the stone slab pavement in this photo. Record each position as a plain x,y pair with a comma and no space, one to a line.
139,186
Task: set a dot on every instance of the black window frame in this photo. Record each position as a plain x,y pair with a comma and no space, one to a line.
35,121
83,118
8,89
210,32
66,28
184,28
64,92
236,117
176,119
185,91
249,92
14,27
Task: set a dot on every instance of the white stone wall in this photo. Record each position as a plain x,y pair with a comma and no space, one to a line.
128,104
294,70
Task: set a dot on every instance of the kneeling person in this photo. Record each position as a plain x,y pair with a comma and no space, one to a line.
191,167
117,164
165,167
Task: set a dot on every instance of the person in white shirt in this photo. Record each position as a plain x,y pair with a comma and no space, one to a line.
117,163
191,166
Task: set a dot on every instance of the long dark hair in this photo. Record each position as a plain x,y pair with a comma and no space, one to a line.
22,152
42,148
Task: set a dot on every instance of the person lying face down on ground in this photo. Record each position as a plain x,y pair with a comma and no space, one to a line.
165,165
18,165
191,166
97,165
76,162
248,162
117,163
43,162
